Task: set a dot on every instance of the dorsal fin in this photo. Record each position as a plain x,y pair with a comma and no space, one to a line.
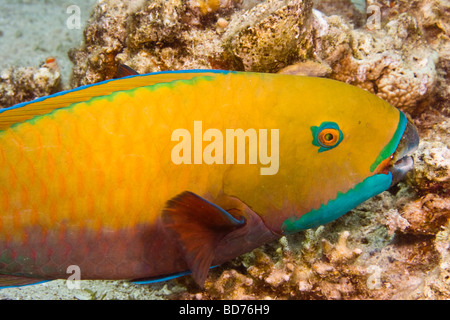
28,110
125,71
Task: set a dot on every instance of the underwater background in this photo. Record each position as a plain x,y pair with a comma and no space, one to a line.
394,246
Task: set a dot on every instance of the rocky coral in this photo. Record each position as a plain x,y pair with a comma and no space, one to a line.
432,174
170,35
268,36
347,9
108,27
23,84
394,62
401,54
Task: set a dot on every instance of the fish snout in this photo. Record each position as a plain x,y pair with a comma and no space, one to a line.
402,161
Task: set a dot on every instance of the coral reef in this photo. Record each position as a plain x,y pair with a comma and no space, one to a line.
347,9
268,36
394,246
171,35
394,62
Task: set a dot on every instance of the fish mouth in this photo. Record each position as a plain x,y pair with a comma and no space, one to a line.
401,160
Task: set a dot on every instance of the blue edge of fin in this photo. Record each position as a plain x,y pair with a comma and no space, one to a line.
165,278
22,104
25,285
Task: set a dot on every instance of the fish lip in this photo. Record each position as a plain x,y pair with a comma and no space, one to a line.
400,168
401,160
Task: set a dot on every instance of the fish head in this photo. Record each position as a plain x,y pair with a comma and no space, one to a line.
356,146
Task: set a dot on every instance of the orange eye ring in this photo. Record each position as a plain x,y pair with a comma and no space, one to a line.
328,137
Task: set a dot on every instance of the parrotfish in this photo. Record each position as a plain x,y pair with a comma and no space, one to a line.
154,176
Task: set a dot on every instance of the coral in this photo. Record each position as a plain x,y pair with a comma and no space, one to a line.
431,178
395,222
431,15
267,37
206,7
426,215
293,270
340,252
434,20
23,84
307,68
441,288
394,62
108,27
401,54
432,161
404,60
344,8
435,161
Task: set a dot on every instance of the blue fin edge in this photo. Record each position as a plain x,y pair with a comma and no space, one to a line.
165,278
25,285
140,282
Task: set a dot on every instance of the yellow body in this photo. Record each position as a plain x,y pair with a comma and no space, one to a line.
106,163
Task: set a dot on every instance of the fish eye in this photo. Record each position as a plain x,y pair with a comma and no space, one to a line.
327,136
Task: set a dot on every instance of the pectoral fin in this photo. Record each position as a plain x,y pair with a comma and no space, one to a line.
199,226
